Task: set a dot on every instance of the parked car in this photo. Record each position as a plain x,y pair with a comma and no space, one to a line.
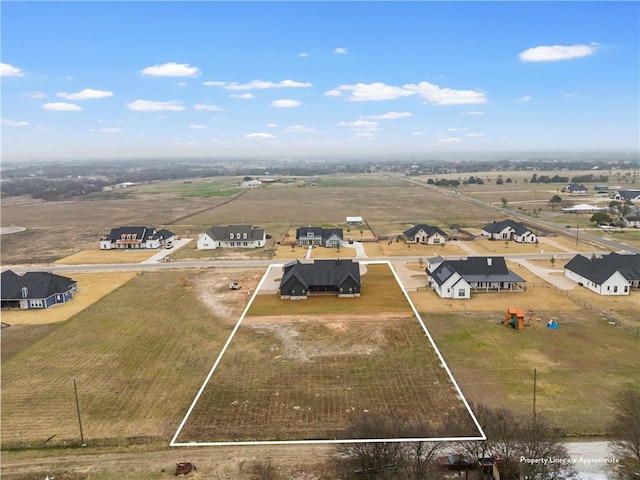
169,245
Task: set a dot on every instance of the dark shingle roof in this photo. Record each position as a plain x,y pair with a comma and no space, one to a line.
599,269
224,233
497,227
318,232
427,228
140,233
322,272
38,284
476,269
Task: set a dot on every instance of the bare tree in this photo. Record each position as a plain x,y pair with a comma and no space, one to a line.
625,429
505,202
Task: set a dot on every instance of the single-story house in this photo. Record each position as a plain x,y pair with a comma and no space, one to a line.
612,274
575,189
136,237
35,290
633,195
251,183
509,230
425,234
231,236
341,277
355,221
458,278
318,236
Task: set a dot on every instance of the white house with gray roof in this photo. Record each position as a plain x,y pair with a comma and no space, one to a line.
458,278
231,236
612,274
425,234
135,238
509,230
318,236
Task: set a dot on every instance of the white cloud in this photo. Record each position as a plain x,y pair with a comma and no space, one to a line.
7,70
365,134
62,107
213,84
259,135
457,129
303,54
554,53
272,125
243,96
198,127
36,95
151,106
371,92
171,69
526,98
298,129
449,140
445,96
13,123
340,50
285,103
474,135
262,84
107,130
568,95
333,93
361,125
86,94
417,133
390,115
204,106
181,84
471,114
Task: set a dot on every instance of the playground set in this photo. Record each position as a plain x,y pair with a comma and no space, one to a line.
515,318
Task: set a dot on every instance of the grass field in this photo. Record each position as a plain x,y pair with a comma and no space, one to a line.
139,356
301,370
97,256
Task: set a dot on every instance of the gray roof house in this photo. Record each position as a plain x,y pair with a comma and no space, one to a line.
135,237
633,195
35,290
314,236
232,236
336,277
458,278
425,234
612,274
509,230
575,189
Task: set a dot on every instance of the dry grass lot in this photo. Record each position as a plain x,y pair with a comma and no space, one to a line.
402,248
139,355
91,288
300,370
97,256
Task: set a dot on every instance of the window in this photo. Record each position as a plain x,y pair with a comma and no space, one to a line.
615,289
244,235
461,292
231,236
25,292
436,240
626,289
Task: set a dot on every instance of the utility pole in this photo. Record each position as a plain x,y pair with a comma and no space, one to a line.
535,371
75,389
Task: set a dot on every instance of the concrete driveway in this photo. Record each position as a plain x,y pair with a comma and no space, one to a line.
163,252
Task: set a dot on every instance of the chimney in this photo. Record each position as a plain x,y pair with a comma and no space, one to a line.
489,260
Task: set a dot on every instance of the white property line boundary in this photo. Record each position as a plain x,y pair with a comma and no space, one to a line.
175,443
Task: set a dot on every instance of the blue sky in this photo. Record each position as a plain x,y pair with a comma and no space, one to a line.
290,79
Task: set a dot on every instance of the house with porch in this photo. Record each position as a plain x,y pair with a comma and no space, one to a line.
458,278
631,195
322,277
612,274
425,234
575,189
136,238
509,230
35,290
232,236
318,236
